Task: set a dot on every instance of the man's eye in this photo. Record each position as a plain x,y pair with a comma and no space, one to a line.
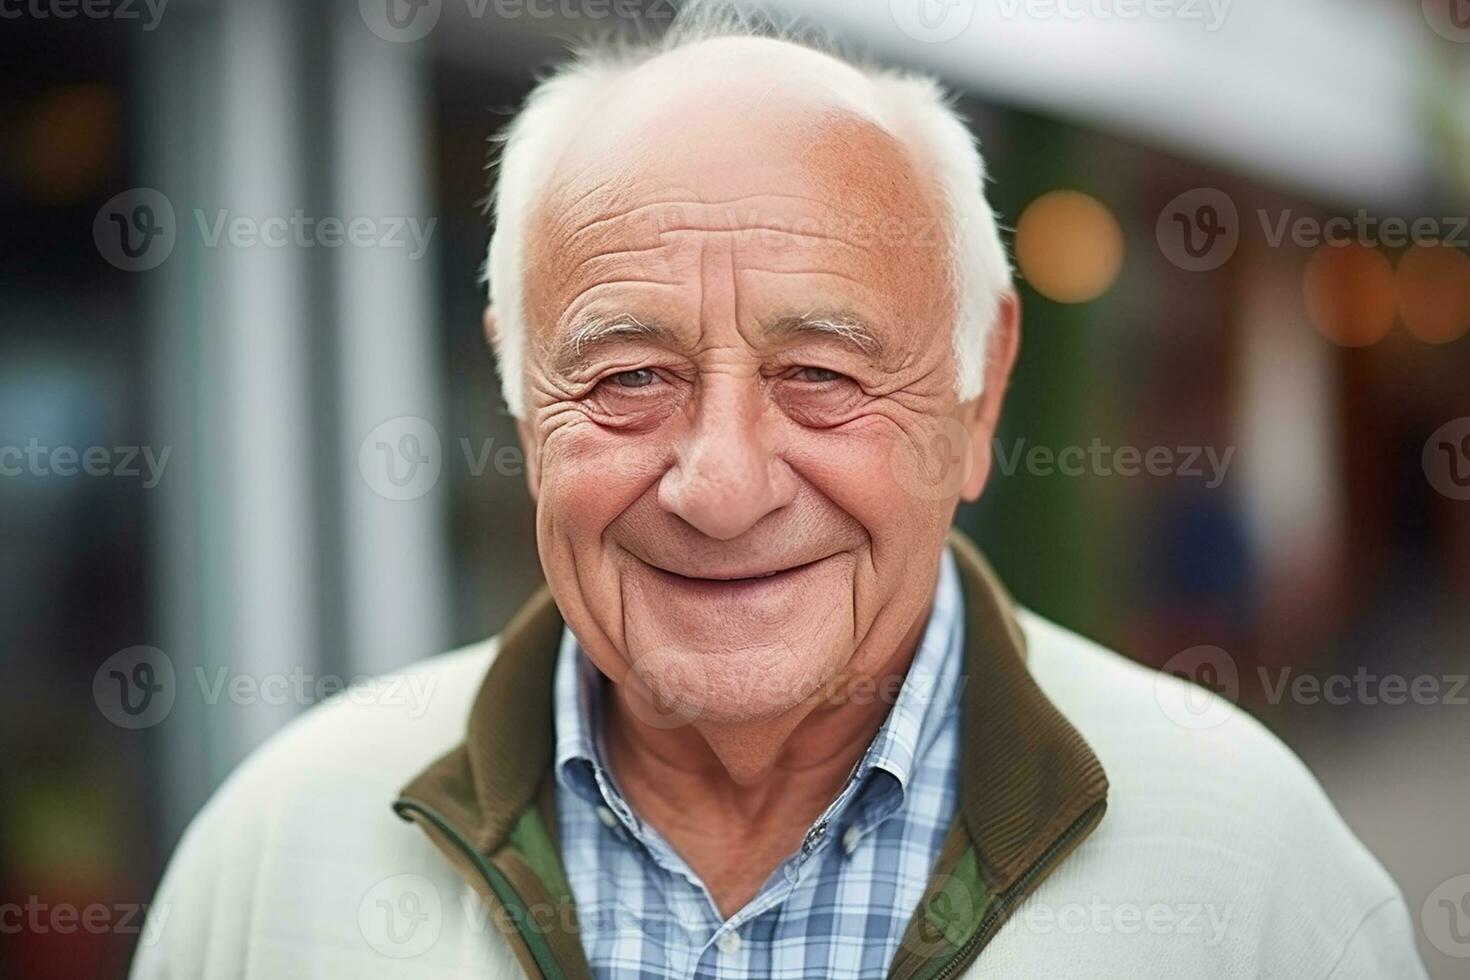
817,375
639,378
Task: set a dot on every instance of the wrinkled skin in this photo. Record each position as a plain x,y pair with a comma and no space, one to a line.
714,197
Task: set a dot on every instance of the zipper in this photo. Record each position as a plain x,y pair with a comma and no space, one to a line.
1018,891
499,886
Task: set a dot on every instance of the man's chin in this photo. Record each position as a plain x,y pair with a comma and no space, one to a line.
725,682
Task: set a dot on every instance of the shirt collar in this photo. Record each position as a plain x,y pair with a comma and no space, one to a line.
577,708
928,696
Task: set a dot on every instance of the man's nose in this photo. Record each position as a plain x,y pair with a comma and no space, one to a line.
726,476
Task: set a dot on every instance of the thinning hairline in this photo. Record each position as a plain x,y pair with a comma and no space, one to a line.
594,331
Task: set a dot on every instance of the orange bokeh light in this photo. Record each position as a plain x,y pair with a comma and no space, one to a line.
1350,294
1069,246
1433,292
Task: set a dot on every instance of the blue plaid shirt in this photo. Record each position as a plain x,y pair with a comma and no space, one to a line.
838,907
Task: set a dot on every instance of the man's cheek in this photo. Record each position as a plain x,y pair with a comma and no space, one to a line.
853,470
583,492
576,499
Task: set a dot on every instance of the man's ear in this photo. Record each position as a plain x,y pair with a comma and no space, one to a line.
523,431
491,335
533,459
981,415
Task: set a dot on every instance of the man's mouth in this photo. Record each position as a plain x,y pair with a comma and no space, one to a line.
750,575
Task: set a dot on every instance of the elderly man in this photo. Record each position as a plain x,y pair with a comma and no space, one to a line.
769,718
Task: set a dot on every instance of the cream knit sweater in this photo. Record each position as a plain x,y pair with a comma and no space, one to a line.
1219,855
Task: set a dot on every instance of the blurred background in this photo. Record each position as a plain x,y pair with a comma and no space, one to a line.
252,445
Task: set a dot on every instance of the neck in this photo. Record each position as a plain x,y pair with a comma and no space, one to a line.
720,786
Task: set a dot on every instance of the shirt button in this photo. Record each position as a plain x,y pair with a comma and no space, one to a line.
850,838
608,818
729,942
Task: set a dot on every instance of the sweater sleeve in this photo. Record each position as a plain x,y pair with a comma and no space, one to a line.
202,906
1381,946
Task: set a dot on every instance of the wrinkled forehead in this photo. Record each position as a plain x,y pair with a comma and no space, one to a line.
790,157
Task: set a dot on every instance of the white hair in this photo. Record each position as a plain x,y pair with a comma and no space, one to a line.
978,269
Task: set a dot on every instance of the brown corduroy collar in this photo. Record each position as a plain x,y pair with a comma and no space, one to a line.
1030,788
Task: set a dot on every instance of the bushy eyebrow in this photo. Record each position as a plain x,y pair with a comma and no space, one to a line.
592,332
597,331
843,325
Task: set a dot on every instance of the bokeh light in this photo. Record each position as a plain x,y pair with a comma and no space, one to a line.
1432,285
1350,294
69,144
1069,246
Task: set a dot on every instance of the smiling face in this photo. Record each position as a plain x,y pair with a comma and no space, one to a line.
741,409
